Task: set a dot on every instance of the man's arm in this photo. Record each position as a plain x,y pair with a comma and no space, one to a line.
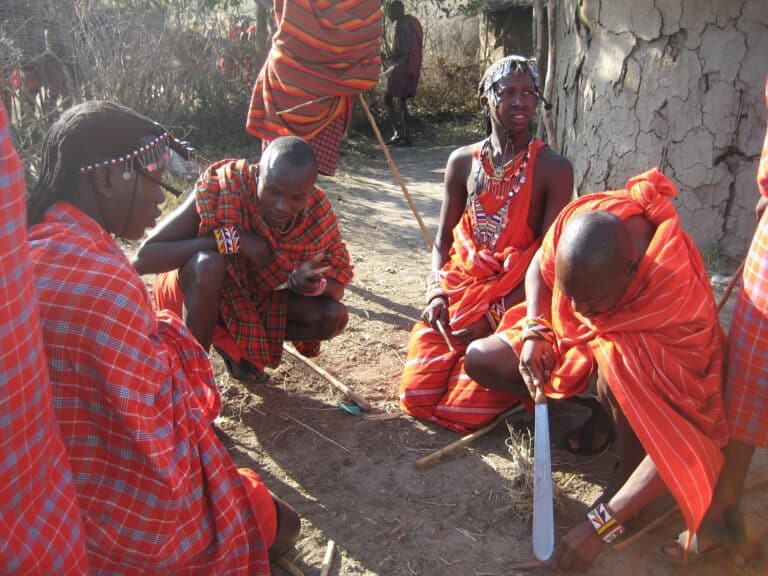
173,242
558,174
581,544
454,201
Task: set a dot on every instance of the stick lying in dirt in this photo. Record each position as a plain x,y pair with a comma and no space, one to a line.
674,512
527,565
308,427
464,440
288,565
731,285
445,335
359,400
328,558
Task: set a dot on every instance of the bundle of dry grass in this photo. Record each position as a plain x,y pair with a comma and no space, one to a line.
520,488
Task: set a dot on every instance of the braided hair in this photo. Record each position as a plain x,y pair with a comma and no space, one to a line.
508,65
88,133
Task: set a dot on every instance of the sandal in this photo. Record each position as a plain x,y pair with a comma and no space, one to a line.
243,370
673,551
581,440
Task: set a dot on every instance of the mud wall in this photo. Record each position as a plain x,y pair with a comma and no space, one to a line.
677,84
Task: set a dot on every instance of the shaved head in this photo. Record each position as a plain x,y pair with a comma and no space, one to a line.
288,157
596,259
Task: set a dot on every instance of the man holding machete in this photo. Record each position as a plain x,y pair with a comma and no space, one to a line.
620,288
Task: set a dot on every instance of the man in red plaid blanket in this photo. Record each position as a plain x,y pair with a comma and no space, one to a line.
252,258
133,392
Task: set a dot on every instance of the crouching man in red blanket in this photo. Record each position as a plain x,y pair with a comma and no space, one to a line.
255,258
618,287
133,392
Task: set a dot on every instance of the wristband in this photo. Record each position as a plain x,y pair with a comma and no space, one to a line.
606,526
227,240
539,329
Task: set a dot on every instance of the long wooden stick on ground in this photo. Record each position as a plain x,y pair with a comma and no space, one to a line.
674,512
388,156
731,285
288,565
325,569
359,400
464,440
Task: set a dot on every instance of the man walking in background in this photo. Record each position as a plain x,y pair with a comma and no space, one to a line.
406,62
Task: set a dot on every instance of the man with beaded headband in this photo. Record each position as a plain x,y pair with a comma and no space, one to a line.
501,195
133,392
252,258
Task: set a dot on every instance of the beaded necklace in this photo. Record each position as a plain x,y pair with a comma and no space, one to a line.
500,182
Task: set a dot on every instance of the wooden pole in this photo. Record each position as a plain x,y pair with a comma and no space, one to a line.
538,41
731,286
359,400
549,82
325,569
464,440
287,565
388,156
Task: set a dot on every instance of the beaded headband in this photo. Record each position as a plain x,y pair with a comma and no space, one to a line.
508,65
146,160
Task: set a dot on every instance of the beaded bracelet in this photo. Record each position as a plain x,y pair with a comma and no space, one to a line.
227,240
538,328
606,526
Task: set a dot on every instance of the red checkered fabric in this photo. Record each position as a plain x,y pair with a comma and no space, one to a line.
327,144
253,313
135,396
660,348
746,389
40,527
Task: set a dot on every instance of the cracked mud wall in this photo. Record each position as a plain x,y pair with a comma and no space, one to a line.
677,84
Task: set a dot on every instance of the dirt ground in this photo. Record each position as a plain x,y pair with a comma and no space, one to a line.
353,480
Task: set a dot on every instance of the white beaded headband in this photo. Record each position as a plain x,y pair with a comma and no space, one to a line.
150,156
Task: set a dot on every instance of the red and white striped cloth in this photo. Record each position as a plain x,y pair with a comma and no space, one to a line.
660,348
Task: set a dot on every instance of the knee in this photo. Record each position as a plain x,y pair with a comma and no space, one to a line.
336,318
331,320
478,366
204,273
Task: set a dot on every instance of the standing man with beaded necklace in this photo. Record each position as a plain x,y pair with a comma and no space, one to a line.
501,195
253,257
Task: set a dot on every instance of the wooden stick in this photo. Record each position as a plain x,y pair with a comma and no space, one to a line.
731,285
287,564
328,558
674,512
549,81
528,564
322,98
307,103
388,156
308,427
464,440
359,400
445,335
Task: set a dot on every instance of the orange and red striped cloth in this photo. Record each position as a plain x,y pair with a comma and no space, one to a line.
325,52
746,388
660,349
434,385
252,312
